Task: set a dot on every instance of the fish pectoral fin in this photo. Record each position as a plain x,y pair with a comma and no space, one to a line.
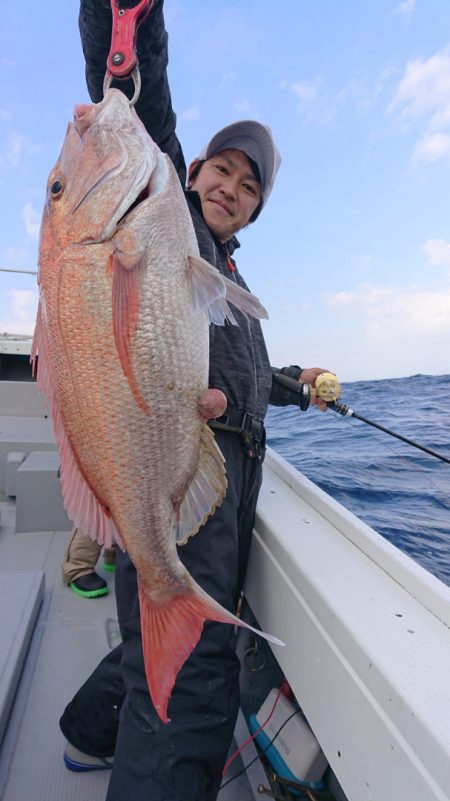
244,300
125,308
214,291
170,632
209,292
206,491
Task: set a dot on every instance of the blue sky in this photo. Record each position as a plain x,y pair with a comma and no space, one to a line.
352,254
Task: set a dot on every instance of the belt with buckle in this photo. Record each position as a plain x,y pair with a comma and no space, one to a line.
240,423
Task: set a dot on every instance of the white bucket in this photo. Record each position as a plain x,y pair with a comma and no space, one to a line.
295,746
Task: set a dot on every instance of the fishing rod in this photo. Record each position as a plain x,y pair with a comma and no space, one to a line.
327,388
23,272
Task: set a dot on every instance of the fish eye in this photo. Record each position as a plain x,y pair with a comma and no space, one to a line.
56,189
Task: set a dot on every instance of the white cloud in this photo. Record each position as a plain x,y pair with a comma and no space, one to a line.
20,315
305,91
191,114
369,96
5,114
16,258
431,147
318,106
425,86
422,98
338,300
17,146
393,314
227,79
406,8
437,252
31,220
242,105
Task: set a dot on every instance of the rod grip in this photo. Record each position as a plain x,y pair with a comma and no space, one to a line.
303,390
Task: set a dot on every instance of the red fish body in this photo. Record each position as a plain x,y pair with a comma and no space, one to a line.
122,340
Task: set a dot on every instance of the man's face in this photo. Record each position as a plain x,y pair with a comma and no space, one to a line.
229,192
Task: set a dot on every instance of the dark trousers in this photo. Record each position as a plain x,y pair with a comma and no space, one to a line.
113,713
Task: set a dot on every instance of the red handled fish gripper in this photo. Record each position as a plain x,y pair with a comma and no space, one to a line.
122,60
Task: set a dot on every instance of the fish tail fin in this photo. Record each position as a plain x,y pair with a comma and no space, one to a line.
170,633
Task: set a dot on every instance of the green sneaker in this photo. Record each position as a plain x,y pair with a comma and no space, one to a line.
89,586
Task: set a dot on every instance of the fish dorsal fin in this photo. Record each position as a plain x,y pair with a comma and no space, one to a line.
213,291
80,501
206,490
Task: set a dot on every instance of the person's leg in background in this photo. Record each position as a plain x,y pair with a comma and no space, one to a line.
79,563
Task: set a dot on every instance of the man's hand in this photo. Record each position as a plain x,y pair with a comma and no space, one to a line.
211,404
308,376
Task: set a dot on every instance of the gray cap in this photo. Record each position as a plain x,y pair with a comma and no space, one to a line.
256,141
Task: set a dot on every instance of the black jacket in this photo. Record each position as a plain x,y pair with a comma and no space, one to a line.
239,364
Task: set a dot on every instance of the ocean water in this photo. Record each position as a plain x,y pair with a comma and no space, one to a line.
401,492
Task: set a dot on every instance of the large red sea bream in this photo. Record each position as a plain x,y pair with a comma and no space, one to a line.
122,344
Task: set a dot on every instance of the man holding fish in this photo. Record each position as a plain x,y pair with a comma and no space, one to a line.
170,744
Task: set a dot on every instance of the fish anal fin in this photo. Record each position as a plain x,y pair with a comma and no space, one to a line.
170,633
206,490
125,306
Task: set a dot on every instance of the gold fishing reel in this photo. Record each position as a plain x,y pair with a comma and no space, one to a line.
327,387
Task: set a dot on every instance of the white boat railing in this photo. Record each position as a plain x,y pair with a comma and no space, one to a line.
367,639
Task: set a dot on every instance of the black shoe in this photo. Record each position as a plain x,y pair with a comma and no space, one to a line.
80,762
89,586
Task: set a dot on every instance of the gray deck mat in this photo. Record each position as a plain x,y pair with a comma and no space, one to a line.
71,636
21,593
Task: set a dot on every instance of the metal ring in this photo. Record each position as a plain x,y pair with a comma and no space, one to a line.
135,75
107,81
253,658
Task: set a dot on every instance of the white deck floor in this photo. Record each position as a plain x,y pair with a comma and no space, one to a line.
72,634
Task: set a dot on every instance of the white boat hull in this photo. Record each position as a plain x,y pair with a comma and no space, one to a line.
367,640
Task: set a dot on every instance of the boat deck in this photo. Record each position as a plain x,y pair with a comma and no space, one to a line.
70,637
367,633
